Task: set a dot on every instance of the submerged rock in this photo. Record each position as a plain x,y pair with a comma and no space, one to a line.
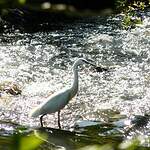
10,87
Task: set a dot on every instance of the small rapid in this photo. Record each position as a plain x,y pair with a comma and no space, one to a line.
40,64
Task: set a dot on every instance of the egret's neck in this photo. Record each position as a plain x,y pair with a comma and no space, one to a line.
74,86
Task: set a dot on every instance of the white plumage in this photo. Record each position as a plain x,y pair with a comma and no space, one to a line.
52,104
58,100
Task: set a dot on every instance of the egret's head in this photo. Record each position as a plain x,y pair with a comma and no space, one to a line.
81,61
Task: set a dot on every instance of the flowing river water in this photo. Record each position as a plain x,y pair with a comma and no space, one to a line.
40,64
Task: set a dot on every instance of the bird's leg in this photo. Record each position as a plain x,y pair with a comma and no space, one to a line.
41,120
59,120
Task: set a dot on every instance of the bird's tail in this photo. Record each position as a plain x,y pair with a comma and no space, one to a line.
35,112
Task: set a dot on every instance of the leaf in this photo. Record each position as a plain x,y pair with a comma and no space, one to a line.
22,1
31,142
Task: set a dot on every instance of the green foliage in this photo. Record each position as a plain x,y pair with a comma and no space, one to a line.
21,1
19,141
29,142
131,15
130,21
130,145
2,2
131,11
11,3
120,4
134,144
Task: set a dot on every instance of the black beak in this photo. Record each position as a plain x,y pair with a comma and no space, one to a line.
98,68
89,62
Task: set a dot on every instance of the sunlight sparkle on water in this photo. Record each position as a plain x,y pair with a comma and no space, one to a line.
41,63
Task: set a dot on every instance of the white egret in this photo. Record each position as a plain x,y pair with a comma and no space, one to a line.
58,100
